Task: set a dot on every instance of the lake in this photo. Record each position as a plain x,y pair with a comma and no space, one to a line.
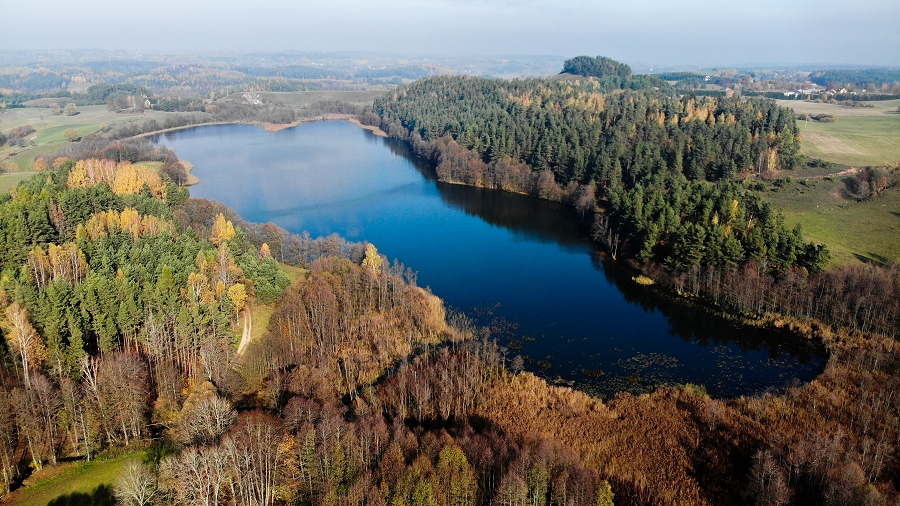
522,265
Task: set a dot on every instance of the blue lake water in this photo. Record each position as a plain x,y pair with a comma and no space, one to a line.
524,264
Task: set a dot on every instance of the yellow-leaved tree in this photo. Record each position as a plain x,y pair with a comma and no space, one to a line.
132,178
130,221
373,259
78,176
24,340
222,230
197,286
237,294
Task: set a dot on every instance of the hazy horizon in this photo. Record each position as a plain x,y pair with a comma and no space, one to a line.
702,33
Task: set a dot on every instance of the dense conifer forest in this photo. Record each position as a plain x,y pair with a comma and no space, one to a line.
648,156
125,306
668,180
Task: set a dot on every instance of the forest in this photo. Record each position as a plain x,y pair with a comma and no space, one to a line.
124,302
667,170
668,181
50,74
859,78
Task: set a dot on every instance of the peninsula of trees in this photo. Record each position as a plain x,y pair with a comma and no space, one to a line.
668,177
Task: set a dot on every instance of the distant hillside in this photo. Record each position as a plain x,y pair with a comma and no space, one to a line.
612,74
860,78
600,66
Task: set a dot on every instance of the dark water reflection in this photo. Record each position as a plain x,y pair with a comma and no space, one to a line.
524,265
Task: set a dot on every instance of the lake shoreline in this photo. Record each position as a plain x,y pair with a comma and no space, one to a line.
587,313
273,127
191,179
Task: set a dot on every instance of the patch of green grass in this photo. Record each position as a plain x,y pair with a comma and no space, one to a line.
83,477
261,316
860,136
853,231
8,181
152,165
857,140
55,134
293,272
25,159
49,128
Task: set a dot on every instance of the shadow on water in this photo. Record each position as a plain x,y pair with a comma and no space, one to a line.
542,220
552,222
547,222
699,326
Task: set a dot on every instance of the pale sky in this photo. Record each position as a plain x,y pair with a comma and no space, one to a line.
671,32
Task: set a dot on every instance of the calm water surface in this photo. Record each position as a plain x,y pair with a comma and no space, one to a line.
508,258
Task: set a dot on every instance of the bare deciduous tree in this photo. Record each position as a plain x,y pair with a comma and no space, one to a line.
206,420
36,417
8,442
199,475
256,452
122,387
136,486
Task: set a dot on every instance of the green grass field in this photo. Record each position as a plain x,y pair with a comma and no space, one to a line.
25,159
83,477
860,136
853,231
7,181
48,136
262,314
293,272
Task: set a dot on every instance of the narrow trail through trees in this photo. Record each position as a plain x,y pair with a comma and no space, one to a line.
245,337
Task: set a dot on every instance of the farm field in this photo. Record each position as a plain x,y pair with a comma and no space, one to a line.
48,136
860,136
854,231
867,231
